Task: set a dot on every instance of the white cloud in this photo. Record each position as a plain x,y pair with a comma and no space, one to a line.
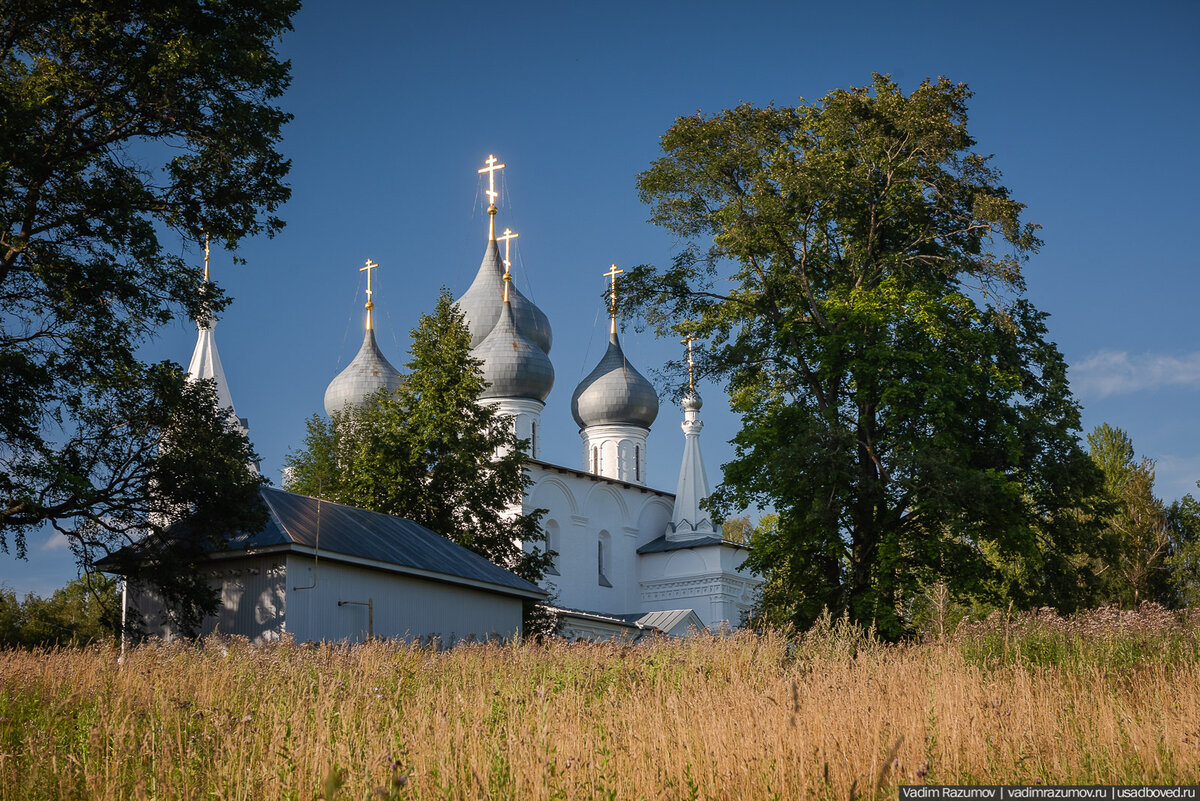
55,542
1111,372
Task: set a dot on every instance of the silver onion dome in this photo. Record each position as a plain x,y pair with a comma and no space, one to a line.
481,303
367,373
614,392
512,365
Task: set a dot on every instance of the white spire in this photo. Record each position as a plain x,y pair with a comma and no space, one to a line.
688,520
206,363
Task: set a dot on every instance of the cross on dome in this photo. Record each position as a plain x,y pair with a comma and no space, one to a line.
490,169
688,340
612,306
370,304
206,258
508,235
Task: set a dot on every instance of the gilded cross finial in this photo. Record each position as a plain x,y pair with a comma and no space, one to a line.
612,304
490,169
507,236
370,304
688,340
206,258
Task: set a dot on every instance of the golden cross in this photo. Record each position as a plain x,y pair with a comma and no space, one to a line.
505,237
206,258
507,281
490,169
612,308
370,304
691,364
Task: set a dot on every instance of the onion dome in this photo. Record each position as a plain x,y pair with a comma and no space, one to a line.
614,393
481,303
512,365
691,401
366,374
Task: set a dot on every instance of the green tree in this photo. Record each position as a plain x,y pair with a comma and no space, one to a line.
124,123
1136,537
431,453
856,269
1183,561
86,610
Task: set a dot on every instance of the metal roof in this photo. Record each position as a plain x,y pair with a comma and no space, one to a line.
614,393
349,531
513,366
481,304
662,544
368,372
664,621
667,620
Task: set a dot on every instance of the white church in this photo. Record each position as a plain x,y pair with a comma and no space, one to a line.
631,559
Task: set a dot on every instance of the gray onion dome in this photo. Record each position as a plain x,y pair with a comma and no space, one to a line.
614,392
691,401
512,365
367,373
481,303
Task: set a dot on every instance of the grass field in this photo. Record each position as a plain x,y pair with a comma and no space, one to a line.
1103,698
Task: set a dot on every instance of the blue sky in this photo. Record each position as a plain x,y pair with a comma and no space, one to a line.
1091,110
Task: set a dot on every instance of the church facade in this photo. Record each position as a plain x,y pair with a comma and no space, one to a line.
625,550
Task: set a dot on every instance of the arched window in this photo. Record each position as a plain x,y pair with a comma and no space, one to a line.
637,462
603,559
595,460
553,543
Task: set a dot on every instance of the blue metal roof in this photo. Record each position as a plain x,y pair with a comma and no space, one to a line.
333,528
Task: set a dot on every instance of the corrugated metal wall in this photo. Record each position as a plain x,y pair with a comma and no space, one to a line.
404,606
252,595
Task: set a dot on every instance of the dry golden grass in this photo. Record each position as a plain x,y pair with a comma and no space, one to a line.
742,717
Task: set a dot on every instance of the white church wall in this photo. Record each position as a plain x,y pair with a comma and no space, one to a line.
583,512
404,606
616,451
705,579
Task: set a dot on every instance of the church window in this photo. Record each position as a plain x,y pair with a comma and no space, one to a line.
602,559
552,544
533,440
595,460
637,463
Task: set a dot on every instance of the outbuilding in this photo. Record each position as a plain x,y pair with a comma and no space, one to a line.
325,571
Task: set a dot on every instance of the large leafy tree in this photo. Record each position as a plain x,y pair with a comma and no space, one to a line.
431,453
126,128
856,269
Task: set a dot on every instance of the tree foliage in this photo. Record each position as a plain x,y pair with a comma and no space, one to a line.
431,453
1135,539
1148,551
126,126
86,610
1183,560
856,270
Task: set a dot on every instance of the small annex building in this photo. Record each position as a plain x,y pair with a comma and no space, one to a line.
324,571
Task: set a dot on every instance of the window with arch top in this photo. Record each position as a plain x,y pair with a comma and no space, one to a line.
604,558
